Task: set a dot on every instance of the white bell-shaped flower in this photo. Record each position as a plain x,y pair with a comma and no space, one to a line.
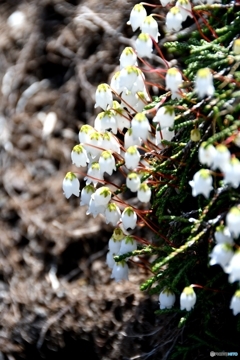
110,142
114,245
106,121
115,83
222,235
150,26
165,116
94,174
174,19
132,157
231,172
94,145
144,193
121,116
173,82
188,299
204,83
221,254
167,299
129,218
201,183
140,104
144,45
85,132
103,96
107,162
185,8
140,126
70,185
128,76
95,209
137,16
102,196
112,214
128,57
206,154
233,221
120,271
235,303
133,182
233,268
221,157
128,244
110,260
129,140
79,156
86,194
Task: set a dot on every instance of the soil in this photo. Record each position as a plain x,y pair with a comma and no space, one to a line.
57,298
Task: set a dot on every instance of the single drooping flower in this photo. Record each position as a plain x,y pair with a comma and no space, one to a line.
103,96
173,82
144,45
132,157
188,299
206,154
133,181
120,271
128,57
114,244
204,83
85,132
233,269
231,172
94,175
174,19
102,196
201,183
150,26
115,83
94,145
129,218
106,121
107,162
79,156
233,221
128,244
144,193
129,100
165,116
112,214
235,303
221,255
70,185
140,126
86,194
110,142
167,299
137,16
223,236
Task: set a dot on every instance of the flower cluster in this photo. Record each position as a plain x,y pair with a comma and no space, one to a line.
136,138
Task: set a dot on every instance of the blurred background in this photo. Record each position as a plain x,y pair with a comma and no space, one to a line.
56,296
